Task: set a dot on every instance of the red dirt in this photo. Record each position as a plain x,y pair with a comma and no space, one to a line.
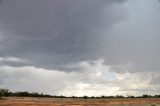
78,102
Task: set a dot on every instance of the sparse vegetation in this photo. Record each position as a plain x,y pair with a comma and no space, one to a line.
22,101
85,97
7,93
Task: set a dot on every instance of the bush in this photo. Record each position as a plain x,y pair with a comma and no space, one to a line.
1,94
85,97
4,92
103,96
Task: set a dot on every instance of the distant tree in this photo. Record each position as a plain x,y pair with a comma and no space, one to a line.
130,96
92,97
145,96
1,94
4,92
62,96
156,96
73,96
110,97
103,96
85,97
119,96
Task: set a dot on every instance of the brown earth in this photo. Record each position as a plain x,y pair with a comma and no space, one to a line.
78,102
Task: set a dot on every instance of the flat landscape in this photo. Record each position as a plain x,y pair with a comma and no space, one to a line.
78,102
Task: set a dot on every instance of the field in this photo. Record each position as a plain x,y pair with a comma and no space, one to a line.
78,102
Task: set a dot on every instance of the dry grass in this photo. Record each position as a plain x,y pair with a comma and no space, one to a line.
78,102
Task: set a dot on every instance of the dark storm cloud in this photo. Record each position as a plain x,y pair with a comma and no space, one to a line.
109,44
52,32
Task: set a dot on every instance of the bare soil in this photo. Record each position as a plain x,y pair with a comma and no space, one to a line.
14,101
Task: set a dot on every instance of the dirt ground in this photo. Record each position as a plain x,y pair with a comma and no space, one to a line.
78,102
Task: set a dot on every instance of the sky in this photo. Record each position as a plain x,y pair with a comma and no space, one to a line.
80,47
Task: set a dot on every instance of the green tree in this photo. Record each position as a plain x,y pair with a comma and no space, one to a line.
85,97
4,92
103,96
145,96
1,94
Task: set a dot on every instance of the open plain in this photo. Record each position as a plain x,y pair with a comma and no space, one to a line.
11,101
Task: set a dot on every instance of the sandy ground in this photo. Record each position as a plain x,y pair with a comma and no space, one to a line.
77,102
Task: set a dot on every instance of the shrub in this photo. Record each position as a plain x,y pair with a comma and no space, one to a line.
85,97
1,94
4,92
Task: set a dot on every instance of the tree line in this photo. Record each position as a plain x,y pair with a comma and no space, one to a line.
7,93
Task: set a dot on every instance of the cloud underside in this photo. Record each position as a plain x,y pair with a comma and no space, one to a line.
95,80
85,44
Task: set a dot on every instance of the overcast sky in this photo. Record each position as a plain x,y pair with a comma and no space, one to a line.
80,47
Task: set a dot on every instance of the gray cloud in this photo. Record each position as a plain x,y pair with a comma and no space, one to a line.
53,32
41,40
95,80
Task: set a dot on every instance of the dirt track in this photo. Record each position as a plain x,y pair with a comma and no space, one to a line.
78,102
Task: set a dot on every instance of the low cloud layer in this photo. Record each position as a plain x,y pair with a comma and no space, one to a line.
95,80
